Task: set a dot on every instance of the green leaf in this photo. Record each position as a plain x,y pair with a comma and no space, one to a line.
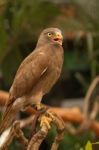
88,146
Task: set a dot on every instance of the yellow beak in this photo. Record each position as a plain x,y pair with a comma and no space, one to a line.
58,38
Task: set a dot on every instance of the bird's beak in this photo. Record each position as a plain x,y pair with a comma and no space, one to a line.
58,38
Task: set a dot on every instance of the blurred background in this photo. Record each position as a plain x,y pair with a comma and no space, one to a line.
21,22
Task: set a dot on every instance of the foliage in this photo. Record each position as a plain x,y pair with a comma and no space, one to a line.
20,21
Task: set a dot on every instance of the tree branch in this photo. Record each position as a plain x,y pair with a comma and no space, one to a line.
73,114
38,137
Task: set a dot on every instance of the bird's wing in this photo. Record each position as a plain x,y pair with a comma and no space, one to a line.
29,74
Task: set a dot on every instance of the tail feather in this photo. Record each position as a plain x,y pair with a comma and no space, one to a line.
7,121
8,117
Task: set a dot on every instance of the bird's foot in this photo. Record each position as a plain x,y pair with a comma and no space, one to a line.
40,110
50,114
46,119
40,107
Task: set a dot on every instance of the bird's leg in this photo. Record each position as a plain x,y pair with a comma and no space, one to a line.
37,114
40,106
41,109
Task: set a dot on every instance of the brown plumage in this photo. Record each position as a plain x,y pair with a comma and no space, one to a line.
36,75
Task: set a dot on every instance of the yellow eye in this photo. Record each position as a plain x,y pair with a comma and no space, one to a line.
49,34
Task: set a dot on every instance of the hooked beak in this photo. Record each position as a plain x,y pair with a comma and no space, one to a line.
58,38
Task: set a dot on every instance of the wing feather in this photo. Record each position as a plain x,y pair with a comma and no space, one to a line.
28,74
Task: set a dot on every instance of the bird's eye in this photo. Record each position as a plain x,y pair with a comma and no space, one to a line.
49,34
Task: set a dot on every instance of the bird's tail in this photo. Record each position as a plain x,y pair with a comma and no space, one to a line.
8,118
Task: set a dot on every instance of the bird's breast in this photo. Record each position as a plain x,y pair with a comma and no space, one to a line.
51,74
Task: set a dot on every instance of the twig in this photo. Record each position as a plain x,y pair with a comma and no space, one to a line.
19,134
3,97
37,139
45,121
74,114
60,132
91,106
88,96
8,135
67,114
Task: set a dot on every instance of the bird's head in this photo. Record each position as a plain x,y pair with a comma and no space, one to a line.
51,35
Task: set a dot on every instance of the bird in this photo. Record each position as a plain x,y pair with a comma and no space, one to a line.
36,75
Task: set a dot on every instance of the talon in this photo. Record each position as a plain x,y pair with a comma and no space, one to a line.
50,115
44,120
